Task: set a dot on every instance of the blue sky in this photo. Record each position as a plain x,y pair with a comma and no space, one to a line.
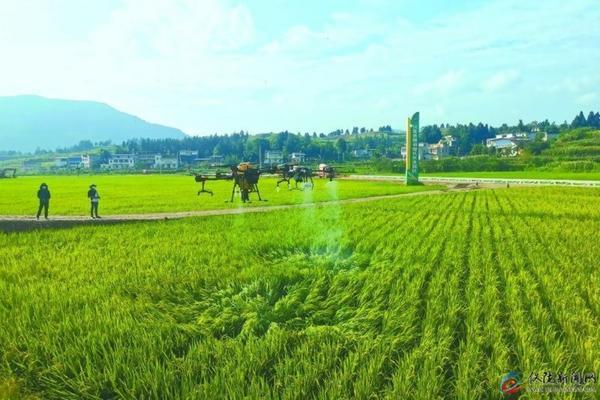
209,66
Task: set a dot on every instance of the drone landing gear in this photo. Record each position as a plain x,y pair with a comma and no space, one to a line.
258,193
287,180
204,190
245,194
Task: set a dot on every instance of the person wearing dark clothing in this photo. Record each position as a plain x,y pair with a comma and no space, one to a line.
94,199
44,196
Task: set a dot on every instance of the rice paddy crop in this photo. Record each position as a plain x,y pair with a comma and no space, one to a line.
423,297
533,174
135,194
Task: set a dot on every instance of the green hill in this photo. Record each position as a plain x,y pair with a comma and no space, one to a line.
28,122
576,143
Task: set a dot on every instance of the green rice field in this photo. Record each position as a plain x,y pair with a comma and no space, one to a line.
135,194
422,297
588,176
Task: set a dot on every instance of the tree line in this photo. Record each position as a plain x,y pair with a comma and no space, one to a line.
337,145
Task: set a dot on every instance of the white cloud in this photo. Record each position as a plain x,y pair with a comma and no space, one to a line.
500,80
208,66
590,98
442,85
343,31
174,28
576,84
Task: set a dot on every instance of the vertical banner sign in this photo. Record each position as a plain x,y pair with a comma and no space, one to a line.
412,150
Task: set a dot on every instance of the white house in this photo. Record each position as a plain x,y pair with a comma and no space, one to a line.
297,158
144,160
61,162
362,153
515,137
161,162
188,157
423,152
213,161
505,146
273,157
443,148
73,162
121,161
86,161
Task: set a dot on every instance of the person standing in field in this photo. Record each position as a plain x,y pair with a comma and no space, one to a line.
94,199
43,195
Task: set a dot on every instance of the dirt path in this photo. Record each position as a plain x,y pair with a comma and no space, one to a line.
20,223
499,182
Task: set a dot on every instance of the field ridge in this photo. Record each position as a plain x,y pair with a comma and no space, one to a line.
13,223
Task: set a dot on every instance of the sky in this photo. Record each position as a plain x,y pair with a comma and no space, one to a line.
218,66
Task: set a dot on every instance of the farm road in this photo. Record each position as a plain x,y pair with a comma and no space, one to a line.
499,182
25,223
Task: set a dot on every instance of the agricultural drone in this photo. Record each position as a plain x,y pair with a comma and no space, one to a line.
302,174
244,176
298,173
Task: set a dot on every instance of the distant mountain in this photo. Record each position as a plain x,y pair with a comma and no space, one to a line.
28,122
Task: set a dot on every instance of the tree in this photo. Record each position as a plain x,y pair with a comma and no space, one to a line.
479,149
104,156
593,120
218,150
292,145
552,129
536,146
430,134
341,145
579,121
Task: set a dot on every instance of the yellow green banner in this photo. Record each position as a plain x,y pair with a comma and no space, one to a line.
412,150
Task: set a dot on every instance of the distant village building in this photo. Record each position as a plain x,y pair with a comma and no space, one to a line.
86,161
506,147
362,154
73,162
144,160
121,161
273,157
188,157
297,158
515,137
61,162
423,152
31,165
161,162
444,148
507,144
212,161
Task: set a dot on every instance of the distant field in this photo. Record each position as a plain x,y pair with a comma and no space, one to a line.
591,176
134,194
412,298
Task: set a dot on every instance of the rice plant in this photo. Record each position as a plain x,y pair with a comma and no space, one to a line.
417,297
